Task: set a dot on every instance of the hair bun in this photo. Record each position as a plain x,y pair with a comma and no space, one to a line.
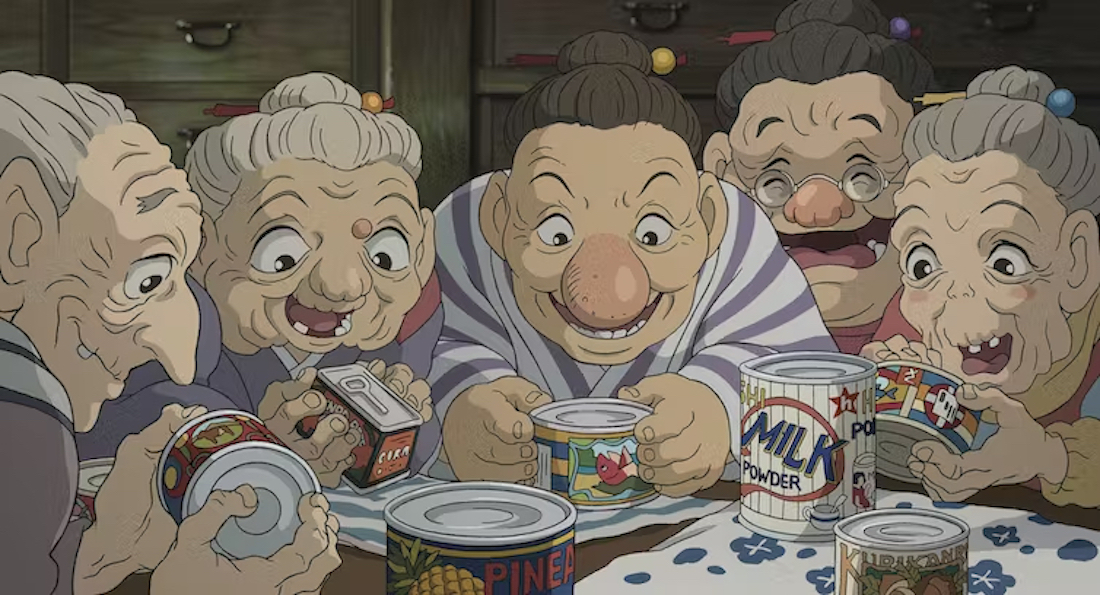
310,89
859,14
1012,82
605,47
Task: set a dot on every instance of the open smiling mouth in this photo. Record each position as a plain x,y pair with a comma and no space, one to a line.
856,249
987,357
618,332
317,323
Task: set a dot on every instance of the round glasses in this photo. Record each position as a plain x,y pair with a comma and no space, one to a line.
862,182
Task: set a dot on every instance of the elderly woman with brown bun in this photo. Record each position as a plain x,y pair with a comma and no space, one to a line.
1000,252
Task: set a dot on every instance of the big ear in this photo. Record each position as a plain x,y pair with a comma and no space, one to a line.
1081,234
494,211
209,250
27,215
425,254
718,159
715,210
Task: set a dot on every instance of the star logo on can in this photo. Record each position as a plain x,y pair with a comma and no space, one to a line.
844,402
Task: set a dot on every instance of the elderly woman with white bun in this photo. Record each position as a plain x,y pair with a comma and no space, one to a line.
1000,252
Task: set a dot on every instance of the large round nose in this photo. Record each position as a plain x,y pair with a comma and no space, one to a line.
818,203
340,277
605,285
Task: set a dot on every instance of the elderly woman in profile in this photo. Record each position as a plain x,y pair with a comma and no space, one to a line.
998,236
315,254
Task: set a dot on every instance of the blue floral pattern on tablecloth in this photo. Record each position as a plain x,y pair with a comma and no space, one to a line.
823,579
988,578
1001,535
757,549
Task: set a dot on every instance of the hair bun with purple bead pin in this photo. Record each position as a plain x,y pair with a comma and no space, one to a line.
1061,103
900,29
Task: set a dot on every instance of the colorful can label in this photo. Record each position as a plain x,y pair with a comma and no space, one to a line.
907,560
588,454
807,443
389,427
915,402
90,478
196,443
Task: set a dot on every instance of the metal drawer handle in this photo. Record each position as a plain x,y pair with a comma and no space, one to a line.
189,30
189,135
1010,16
638,10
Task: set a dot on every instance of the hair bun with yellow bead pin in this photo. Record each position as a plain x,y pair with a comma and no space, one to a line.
373,103
665,61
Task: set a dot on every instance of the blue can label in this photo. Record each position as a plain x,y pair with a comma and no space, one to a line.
416,567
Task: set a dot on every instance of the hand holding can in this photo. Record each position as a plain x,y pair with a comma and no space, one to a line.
191,566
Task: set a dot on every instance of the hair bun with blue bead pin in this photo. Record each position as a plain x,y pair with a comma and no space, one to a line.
1061,103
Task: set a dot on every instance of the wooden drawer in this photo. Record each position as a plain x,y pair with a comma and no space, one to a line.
20,30
542,26
953,33
492,132
138,40
174,122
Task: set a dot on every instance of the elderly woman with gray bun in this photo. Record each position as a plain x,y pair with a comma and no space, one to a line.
1000,250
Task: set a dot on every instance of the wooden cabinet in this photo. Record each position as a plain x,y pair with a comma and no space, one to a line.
20,35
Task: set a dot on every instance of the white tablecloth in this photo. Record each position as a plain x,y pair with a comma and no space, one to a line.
362,525
1011,552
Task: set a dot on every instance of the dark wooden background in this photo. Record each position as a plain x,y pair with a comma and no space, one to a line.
451,64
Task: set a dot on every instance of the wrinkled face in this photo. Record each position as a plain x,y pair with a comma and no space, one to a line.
106,291
316,257
992,266
605,232
822,160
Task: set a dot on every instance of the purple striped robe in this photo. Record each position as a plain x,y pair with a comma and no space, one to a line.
751,299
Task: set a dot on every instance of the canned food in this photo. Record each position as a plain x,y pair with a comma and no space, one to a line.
902,551
223,450
807,441
587,452
92,474
915,402
387,424
475,538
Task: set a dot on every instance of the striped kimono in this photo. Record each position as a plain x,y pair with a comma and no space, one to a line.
751,299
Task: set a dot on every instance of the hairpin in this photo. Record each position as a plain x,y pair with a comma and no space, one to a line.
661,60
900,29
371,102
937,98
1061,103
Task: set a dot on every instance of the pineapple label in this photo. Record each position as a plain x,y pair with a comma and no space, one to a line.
414,567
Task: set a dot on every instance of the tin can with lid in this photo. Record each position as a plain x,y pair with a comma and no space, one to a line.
90,478
588,454
915,402
902,551
475,538
223,450
388,425
807,443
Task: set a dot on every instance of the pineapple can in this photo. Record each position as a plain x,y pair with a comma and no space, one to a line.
480,538
807,443
587,452
902,551
92,474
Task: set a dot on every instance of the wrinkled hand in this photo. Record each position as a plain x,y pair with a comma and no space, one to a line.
132,532
685,445
192,566
328,448
1019,451
900,348
488,434
399,378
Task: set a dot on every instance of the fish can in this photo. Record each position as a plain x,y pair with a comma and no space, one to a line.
223,450
807,443
475,538
387,424
915,402
902,551
588,454
90,478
